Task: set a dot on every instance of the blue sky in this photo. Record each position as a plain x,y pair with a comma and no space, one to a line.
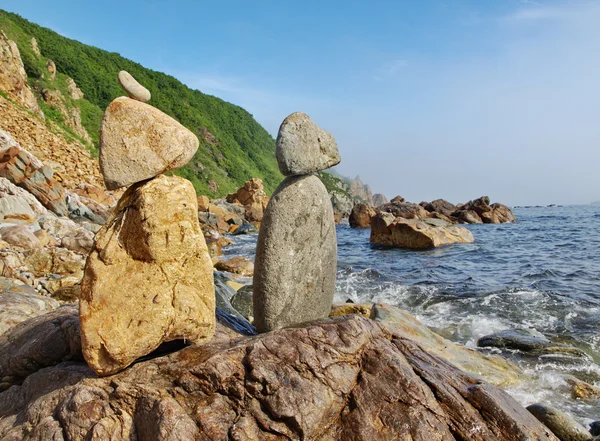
427,99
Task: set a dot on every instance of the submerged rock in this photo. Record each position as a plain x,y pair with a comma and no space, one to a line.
296,256
562,425
522,339
138,142
338,379
303,147
361,216
388,230
149,278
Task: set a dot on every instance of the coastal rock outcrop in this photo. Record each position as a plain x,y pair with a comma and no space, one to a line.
564,427
361,216
303,147
149,277
389,230
488,214
296,253
338,379
138,142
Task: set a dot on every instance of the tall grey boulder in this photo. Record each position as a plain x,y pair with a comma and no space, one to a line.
296,256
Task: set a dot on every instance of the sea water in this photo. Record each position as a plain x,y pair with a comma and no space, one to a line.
541,273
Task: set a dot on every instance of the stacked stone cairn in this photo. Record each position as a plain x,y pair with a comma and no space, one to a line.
149,277
296,255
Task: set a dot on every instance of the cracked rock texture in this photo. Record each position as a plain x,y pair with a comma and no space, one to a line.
138,142
296,255
338,379
149,278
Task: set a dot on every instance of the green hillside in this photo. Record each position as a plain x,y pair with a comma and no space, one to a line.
233,146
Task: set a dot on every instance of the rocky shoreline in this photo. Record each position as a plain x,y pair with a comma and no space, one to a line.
114,324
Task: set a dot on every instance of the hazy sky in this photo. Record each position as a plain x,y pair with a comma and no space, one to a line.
426,98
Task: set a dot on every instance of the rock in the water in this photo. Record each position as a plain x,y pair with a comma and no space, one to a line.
237,265
296,256
440,206
595,428
245,229
303,147
361,216
391,231
139,142
344,379
489,214
133,89
467,216
580,390
149,278
561,424
522,339
492,368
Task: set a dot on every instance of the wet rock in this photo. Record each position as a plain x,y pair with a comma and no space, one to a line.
296,256
139,142
20,236
19,303
303,147
133,89
521,339
341,379
351,308
361,216
595,428
492,368
580,390
237,265
243,303
235,322
562,425
391,231
245,229
149,278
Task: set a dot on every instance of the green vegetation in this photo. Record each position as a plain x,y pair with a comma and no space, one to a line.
335,184
233,146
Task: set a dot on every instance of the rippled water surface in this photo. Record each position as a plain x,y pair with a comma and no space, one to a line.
542,272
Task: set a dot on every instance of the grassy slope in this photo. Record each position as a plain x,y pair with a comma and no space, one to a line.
241,148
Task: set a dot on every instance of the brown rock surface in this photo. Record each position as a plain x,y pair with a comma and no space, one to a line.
25,170
149,278
13,78
71,161
489,214
339,379
139,142
440,206
237,265
253,197
405,210
416,234
19,303
361,215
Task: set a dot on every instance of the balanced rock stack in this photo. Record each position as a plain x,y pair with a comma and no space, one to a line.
296,255
149,276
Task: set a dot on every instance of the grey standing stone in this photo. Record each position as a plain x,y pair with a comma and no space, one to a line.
303,147
296,256
132,88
